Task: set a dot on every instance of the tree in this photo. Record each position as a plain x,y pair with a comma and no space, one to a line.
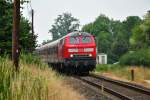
112,36
141,34
146,28
27,41
119,46
101,24
130,23
88,28
5,26
140,43
63,24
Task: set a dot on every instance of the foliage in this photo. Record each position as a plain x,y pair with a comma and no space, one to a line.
137,40
27,41
88,28
141,37
5,26
140,57
130,23
63,24
140,43
119,46
112,36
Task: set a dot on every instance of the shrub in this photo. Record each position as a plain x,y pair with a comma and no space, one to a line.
136,58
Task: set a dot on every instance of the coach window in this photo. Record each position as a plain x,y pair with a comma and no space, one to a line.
50,50
86,39
61,41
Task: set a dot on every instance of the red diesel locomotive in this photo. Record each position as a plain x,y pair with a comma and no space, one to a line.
75,52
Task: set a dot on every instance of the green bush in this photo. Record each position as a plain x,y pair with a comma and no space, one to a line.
136,58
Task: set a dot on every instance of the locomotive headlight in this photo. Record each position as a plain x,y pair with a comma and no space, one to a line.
71,55
88,49
90,55
73,50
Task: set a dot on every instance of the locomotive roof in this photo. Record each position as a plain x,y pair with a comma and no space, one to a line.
56,41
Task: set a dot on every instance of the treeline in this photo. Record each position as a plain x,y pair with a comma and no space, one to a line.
116,38
140,45
27,40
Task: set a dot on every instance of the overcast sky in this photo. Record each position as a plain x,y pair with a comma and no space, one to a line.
85,10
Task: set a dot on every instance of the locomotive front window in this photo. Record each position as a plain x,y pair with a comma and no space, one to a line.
74,40
86,39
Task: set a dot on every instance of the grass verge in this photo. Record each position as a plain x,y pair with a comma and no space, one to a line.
34,81
142,74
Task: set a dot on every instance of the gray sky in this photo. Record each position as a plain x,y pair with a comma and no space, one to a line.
85,10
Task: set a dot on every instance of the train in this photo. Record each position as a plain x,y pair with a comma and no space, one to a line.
73,53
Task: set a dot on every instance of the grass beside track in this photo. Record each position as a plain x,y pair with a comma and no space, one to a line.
34,81
142,74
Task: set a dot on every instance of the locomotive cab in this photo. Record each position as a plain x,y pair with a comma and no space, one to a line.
80,50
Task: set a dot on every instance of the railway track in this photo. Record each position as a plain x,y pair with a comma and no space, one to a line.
119,89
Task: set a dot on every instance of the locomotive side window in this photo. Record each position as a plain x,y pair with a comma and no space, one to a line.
86,39
74,40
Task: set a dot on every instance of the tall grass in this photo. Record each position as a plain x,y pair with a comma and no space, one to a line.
105,67
34,81
6,74
20,86
32,59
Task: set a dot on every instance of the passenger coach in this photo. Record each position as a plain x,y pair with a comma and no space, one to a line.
75,52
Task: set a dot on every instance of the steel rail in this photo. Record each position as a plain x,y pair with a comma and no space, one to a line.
108,90
123,84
